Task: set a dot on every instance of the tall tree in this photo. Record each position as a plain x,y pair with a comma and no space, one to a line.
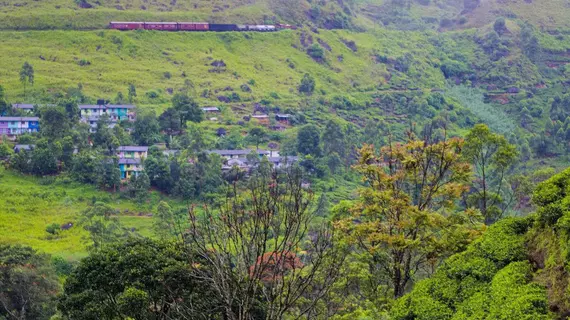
492,156
55,123
146,131
307,85
400,214
28,284
257,135
26,75
187,108
309,140
258,236
333,139
132,92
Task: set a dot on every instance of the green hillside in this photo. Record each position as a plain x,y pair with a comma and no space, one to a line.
347,14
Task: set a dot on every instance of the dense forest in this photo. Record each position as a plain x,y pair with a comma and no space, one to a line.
395,159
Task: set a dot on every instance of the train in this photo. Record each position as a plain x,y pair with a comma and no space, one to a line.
196,26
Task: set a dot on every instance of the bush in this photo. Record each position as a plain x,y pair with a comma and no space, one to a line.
53,228
316,52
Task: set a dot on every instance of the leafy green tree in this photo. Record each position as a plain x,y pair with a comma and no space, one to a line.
157,167
29,285
146,131
132,92
71,109
169,121
257,136
333,139
119,98
55,123
492,157
102,225
5,150
137,279
104,137
307,85
85,165
138,186
187,109
107,173
309,140
500,25
26,75
44,158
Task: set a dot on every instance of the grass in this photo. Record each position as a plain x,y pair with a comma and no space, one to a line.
27,207
276,61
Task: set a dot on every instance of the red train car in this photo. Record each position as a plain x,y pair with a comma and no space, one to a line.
193,26
165,26
126,25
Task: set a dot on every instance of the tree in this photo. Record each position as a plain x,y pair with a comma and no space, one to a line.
500,25
107,173
136,279
187,108
307,85
5,107
27,75
146,131
120,98
492,156
29,285
169,121
44,158
157,168
258,235
308,140
84,166
55,123
138,186
104,137
71,109
132,92
102,225
257,136
400,217
316,51
164,224
333,139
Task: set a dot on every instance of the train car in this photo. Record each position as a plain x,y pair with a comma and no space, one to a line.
285,26
164,26
193,26
261,28
126,25
223,27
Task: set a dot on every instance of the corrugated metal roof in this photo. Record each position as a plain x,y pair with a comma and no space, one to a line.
132,148
19,119
237,152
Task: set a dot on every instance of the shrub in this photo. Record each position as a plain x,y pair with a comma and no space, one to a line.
53,228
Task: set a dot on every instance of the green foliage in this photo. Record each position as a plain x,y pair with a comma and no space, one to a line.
308,140
102,225
307,85
29,284
126,279
490,280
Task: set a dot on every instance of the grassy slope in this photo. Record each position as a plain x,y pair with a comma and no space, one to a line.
27,207
143,57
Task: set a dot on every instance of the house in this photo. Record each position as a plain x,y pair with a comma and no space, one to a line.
115,112
18,125
132,152
25,147
92,121
231,154
245,165
24,107
131,159
211,110
262,119
129,167
282,117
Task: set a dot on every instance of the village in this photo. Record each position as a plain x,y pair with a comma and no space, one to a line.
130,159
